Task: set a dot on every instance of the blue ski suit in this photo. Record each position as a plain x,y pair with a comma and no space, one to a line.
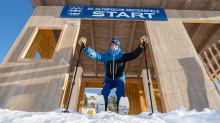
114,63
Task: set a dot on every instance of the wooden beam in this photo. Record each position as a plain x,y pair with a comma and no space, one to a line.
92,39
55,36
112,3
81,97
93,43
156,90
40,2
218,54
146,90
199,26
130,43
153,73
138,2
88,2
142,62
214,58
154,82
186,4
143,58
63,2
195,31
216,48
209,38
92,79
100,78
211,66
111,30
76,88
212,5
163,4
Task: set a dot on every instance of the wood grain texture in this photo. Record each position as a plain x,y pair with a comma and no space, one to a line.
170,4
76,90
147,91
180,70
81,97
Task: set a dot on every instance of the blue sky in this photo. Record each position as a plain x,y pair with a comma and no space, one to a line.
14,14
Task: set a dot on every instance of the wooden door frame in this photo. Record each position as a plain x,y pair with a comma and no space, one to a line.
88,83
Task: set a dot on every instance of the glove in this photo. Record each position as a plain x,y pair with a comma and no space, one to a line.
82,41
144,38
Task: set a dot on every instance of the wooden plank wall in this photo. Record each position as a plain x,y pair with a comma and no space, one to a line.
180,74
38,85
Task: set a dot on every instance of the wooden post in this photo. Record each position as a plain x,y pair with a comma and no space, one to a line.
81,97
146,91
76,89
143,107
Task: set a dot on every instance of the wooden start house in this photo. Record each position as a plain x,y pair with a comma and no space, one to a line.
183,56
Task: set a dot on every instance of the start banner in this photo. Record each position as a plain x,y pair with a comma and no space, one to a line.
133,13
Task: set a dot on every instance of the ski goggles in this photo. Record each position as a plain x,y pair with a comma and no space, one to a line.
114,42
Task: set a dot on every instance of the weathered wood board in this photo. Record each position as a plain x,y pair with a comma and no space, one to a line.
147,92
76,90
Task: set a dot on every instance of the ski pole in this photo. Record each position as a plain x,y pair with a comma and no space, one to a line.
73,82
148,79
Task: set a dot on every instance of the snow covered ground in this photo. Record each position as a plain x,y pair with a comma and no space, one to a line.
178,116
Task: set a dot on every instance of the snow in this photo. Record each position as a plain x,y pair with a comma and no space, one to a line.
178,116
91,101
91,94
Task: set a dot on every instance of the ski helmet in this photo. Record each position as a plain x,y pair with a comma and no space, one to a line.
115,41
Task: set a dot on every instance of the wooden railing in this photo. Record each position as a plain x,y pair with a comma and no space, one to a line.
209,67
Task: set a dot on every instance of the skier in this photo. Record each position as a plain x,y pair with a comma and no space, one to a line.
114,63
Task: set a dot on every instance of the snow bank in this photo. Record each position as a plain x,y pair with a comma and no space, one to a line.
178,116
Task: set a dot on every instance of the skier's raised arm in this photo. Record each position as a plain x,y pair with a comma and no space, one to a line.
91,53
133,55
